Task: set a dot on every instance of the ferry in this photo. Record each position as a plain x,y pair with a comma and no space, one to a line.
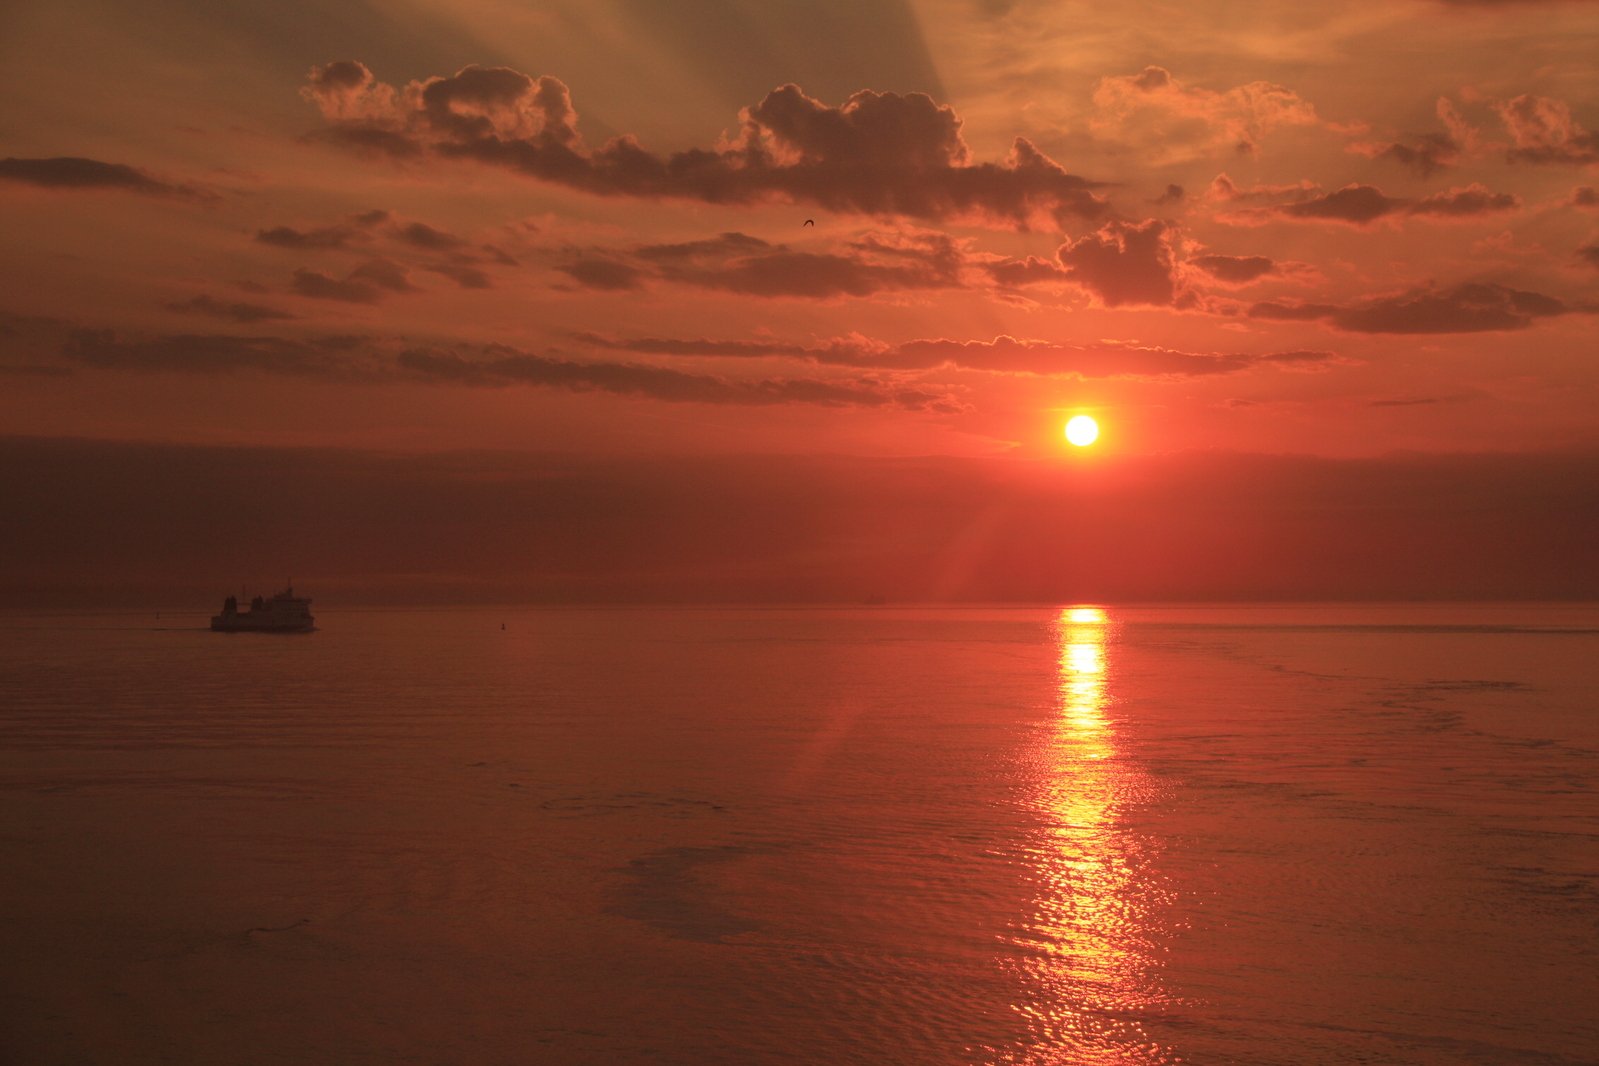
283,613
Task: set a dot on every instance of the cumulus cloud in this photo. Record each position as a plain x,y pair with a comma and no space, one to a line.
237,312
1177,121
1470,308
1124,263
73,172
1589,254
876,153
1584,196
1543,131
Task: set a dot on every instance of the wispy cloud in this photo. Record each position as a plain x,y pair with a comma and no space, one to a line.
79,174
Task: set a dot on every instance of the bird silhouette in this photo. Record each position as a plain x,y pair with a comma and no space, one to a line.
809,222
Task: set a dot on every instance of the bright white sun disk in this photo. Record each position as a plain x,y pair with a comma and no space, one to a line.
1082,431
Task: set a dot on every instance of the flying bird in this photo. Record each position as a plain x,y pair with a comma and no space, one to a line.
809,222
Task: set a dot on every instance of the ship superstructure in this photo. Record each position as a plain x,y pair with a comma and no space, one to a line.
283,613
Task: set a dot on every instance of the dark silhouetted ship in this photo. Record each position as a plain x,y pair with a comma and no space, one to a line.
283,613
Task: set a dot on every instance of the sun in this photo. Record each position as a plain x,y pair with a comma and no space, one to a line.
1082,431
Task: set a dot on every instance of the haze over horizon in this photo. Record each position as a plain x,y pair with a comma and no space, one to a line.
456,300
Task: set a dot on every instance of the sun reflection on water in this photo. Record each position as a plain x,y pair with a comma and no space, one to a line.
1089,951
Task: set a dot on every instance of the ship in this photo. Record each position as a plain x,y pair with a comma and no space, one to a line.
283,613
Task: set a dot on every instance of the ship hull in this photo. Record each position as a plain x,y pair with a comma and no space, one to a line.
244,625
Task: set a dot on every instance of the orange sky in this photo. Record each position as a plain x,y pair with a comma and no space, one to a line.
1352,232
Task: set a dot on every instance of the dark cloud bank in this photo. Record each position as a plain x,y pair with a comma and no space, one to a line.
193,522
876,153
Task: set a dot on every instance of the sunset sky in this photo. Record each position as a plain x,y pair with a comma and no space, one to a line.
486,298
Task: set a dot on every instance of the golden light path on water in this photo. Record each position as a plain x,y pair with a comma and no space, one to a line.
1090,950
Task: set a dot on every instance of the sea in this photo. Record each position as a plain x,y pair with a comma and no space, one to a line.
1074,834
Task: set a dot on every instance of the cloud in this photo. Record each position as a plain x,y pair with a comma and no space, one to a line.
1544,131
497,367
735,262
421,235
1467,202
818,276
1174,121
237,312
365,284
1120,264
1015,273
874,263
1413,401
1222,188
1427,153
1589,254
72,172
877,153
606,275
366,359
1470,308
1002,354
1584,196
464,275
722,245
345,91
1235,269
455,260
192,353
354,228
1105,360
1355,204
844,352
1363,205
1124,263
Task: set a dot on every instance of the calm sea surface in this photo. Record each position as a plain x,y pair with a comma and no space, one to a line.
1093,835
